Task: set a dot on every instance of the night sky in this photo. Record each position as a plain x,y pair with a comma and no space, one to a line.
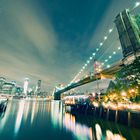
52,39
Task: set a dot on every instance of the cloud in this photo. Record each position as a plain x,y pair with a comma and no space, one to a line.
27,43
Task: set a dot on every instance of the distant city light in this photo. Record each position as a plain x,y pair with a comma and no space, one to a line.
110,57
93,54
106,60
88,61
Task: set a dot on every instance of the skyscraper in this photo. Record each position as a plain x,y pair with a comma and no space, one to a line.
2,81
25,87
38,88
129,33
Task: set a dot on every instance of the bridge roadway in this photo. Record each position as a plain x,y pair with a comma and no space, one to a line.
106,73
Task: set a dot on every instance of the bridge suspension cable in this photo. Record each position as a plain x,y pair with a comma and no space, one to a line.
106,60
92,57
105,63
109,57
93,54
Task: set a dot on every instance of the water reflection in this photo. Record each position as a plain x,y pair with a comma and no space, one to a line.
33,111
111,136
5,118
108,136
56,113
26,111
19,116
39,119
2,114
81,132
98,132
59,117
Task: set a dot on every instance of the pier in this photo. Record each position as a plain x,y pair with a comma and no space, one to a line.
125,116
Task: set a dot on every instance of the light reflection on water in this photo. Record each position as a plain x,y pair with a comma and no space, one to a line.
81,132
19,116
38,120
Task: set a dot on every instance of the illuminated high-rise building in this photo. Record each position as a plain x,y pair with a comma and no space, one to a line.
39,86
2,81
128,27
25,88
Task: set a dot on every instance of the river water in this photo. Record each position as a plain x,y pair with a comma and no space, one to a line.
42,120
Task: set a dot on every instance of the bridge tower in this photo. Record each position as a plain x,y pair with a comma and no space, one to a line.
56,95
128,27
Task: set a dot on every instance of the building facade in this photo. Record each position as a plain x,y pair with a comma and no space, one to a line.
128,27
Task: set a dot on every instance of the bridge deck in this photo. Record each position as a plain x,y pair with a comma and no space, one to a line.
107,73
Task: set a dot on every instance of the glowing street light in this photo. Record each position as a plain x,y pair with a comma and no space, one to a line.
123,93
97,49
132,90
119,48
93,54
90,58
110,30
101,44
105,38
137,4
108,66
110,57
83,67
93,94
114,52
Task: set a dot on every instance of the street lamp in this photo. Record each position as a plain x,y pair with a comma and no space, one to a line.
110,30
123,93
101,44
93,94
132,90
137,4
99,93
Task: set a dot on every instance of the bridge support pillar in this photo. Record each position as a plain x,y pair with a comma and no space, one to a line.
57,96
